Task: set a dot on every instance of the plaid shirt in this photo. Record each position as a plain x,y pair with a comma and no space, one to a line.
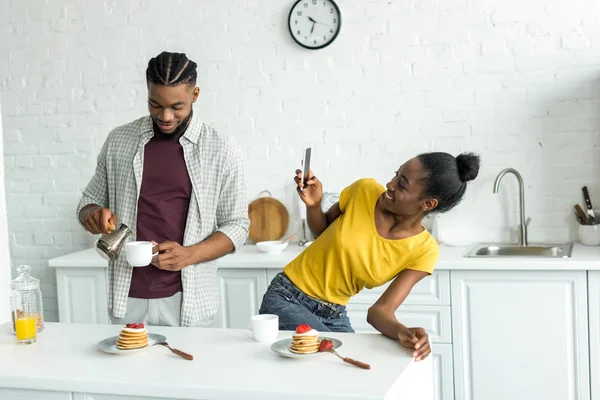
219,203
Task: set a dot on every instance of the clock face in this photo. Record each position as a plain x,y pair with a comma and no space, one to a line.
314,24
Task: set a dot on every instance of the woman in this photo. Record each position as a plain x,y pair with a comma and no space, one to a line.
371,236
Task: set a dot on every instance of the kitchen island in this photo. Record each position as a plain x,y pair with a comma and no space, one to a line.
228,364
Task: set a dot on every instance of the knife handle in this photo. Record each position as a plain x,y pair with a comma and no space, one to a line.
356,363
582,215
586,196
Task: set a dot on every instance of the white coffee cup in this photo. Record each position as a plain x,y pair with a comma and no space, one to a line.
139,254
265,328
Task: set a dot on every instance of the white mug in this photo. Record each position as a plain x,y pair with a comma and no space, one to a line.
139,254
265,328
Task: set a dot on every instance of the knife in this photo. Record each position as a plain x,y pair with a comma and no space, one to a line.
588,203
582,217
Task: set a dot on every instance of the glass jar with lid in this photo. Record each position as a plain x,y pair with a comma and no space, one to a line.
26,306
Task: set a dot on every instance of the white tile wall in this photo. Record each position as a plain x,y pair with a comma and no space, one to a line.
517,81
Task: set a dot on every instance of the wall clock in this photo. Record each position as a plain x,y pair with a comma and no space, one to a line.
314,24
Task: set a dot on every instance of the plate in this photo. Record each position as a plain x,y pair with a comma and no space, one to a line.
282,347
110,345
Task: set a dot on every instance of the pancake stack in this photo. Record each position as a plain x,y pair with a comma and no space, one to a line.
305,340
133,336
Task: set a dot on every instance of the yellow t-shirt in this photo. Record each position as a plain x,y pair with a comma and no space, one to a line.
350,255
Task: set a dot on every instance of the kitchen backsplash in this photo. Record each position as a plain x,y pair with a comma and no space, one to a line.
517,82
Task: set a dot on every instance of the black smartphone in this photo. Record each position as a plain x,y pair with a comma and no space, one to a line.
306,164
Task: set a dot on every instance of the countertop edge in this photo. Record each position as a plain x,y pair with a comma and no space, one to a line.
451,258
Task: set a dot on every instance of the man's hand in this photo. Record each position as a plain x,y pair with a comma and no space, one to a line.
171,256
100,220
415,338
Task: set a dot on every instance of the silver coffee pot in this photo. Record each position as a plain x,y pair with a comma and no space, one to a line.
109,246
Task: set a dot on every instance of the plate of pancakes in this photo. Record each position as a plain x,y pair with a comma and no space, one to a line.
132,339
284,347
304,342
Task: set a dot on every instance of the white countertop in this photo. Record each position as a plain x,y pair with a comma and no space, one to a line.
451,258
228,364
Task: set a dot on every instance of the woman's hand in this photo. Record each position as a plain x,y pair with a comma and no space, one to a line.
312,194
417,339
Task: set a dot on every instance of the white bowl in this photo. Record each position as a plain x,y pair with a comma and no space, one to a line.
272,247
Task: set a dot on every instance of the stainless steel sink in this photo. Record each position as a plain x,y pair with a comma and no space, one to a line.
539,250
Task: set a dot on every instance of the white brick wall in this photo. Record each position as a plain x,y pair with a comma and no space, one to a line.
518,82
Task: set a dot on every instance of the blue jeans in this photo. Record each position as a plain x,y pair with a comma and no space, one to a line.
294,307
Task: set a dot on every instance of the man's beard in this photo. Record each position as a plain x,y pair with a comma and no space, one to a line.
177,133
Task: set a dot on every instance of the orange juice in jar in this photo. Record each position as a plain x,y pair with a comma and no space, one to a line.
26,306
25,329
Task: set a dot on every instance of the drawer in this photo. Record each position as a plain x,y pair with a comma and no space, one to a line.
435,320
431,290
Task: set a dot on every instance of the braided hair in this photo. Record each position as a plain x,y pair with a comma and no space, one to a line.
171,69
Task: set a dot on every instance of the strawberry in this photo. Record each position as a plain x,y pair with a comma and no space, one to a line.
129,325
303,328
135,326
325,345
140,326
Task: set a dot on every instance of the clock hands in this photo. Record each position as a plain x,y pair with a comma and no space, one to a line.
316,22
313,22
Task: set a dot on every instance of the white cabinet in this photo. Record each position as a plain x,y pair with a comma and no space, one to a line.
82,295
431,290
271,273
443,379
241,292
594,296
435,320
520,335
427,306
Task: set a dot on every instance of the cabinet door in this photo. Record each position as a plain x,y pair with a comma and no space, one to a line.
82,295
520,335
434,319
272,273
431,290
443,378
241,292
594,290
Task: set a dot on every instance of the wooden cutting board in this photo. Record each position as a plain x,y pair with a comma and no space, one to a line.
269,219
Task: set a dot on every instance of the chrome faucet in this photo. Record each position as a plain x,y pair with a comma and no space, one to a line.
523,227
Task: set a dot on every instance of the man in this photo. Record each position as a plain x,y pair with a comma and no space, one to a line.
175,181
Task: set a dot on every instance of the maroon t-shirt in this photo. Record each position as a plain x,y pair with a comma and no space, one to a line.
162,212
